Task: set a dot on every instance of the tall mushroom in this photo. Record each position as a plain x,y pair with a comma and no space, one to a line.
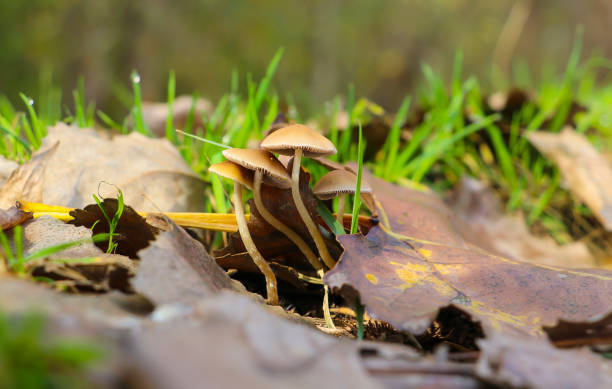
298,140
242,176
269,169
338,183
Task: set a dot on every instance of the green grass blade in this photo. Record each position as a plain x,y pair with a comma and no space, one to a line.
357,200
265,82
170,133
392,143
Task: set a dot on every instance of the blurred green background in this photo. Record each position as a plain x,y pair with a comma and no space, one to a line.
377,45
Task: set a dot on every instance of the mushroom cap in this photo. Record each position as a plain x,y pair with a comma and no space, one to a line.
297,136
234,172
262,160
337,182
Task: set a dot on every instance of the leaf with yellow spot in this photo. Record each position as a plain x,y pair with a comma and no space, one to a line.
421,258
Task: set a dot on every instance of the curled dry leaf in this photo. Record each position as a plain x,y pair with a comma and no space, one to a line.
13,216
420,259
133,232
6,168
176,268
587,173
72,162
508,235
521,362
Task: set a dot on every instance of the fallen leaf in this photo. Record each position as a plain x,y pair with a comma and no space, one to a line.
133,232
534,363
420,259
13,216
233,342
587,173
83,268
26,182
45,231
6,168
176,268
155,114
72,162
508,235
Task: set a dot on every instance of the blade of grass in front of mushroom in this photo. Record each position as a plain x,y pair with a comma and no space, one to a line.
357,198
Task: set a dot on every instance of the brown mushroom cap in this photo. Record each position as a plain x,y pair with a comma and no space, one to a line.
337,182
297,136
234,172
262,160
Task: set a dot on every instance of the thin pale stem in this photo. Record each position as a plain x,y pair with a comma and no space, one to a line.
326,313
274,222
299,204
245,235
340,214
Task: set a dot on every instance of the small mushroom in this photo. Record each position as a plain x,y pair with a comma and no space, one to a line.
298,140
268,169
242,176
338,183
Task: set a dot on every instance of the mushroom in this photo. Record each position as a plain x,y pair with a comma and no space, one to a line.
242,176
298,140
338,183
268,168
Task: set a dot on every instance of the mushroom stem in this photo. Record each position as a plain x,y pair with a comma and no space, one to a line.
340,213
326,313
299,204
274,222
259,260
296,239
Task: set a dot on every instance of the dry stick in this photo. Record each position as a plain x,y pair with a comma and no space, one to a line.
296,239
299,204
252,249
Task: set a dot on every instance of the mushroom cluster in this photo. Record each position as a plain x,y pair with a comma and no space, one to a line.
256,167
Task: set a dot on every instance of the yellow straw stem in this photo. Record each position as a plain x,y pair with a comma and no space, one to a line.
225,222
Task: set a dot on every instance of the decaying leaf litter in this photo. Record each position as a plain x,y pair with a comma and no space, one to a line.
419,268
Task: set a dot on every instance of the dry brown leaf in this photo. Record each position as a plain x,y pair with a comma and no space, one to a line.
155,114
508,235
587,173
534,363
133,232
13,216
176,268
72,162
233,342
6,168
26,182
423,261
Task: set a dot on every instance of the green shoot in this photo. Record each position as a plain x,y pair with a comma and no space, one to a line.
112,223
